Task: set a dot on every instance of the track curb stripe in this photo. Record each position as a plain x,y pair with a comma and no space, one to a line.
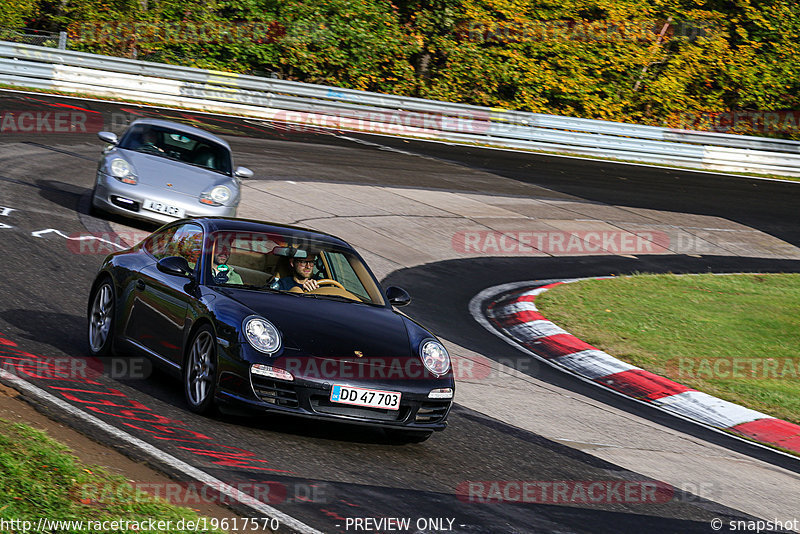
516,316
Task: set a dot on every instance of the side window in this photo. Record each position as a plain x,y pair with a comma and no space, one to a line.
158,243
185,241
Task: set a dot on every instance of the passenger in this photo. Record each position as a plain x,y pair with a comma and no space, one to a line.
302,268
221,271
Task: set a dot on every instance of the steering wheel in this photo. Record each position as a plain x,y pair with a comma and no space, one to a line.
328,281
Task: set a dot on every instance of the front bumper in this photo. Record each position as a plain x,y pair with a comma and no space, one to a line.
109,191
311,398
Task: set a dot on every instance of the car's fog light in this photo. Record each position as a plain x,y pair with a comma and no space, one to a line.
271,372
441,393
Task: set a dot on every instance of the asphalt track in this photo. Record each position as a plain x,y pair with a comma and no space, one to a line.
324,474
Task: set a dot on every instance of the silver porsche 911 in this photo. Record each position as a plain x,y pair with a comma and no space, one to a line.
163,171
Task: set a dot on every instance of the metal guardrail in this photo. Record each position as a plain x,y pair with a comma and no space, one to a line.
317,105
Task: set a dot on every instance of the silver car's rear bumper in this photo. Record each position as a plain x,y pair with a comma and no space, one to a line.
127,200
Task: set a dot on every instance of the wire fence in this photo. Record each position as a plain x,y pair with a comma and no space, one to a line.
34,37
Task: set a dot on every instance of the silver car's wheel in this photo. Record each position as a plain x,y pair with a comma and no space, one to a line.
101,320
199,372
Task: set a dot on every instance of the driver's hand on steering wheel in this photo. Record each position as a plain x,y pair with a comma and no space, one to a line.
153,148
310,285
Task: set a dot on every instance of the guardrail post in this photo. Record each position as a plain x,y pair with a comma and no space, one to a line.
62,40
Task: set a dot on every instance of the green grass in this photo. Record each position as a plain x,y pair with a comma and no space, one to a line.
40,478
681,326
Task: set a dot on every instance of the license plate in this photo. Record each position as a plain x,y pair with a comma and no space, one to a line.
372,398
160,207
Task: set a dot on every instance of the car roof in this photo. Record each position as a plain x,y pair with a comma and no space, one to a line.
184,128
227,224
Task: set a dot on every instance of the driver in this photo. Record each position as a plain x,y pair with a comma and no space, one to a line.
149,138
221,271
302,268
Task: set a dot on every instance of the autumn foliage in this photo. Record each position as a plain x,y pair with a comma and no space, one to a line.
679,63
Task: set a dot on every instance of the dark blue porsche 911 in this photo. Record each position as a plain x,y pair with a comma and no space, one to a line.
273,318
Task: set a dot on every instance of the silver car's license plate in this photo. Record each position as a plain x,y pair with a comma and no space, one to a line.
160,207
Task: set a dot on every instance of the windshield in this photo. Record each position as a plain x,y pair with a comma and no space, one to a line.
179,146
283,261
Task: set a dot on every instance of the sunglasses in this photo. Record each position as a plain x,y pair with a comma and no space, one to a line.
305,262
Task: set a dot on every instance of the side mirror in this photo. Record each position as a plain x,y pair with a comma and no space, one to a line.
243,172
108,137
175,265
397,296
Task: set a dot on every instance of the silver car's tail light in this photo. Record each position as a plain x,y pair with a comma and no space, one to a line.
271,372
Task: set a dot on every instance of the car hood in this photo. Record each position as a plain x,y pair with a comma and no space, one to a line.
157,171
330,329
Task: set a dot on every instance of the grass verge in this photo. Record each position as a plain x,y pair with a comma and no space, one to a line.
39,478
735,337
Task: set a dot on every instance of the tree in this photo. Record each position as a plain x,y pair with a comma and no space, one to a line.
17,13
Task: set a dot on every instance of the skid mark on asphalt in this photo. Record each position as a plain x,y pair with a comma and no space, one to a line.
59,150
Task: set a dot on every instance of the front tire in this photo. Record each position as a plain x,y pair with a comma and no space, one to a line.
101,319
94,211
200,371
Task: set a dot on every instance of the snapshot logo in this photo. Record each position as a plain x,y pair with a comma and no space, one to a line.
732,368
397,122
766,122
565,491
196,493
103,243
50,122
521,242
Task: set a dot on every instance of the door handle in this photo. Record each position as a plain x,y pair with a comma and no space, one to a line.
140,285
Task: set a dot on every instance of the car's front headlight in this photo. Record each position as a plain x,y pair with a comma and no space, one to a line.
122,170
262,334
434,356
217,196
